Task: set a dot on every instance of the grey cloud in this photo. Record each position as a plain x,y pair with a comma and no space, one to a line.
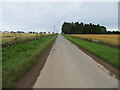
43,16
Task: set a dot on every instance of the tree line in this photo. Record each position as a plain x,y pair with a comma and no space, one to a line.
24,32
81,28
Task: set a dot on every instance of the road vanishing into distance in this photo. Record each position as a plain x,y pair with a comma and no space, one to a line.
68,67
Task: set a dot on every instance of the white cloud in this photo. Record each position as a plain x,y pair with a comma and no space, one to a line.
44,15
1,14
59,1
112,29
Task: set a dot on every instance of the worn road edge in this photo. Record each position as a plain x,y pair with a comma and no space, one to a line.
28,80
112,70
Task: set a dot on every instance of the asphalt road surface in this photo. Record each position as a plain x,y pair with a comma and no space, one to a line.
68,67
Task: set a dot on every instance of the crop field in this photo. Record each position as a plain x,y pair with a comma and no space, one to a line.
7,37
113,39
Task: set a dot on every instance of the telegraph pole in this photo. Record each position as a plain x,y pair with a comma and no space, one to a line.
54,29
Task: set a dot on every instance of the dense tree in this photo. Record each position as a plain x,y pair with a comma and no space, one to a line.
20,32
113,32
81,28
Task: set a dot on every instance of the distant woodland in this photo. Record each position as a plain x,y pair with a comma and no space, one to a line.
81,28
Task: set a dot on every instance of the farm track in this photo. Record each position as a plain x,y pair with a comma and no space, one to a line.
68,67
28,80
112,70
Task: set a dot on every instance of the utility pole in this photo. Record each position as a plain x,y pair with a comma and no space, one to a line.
54,29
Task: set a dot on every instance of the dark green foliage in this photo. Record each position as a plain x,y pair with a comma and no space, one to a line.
113,32
81,28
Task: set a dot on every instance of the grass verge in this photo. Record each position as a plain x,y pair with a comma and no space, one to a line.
19,58
108,54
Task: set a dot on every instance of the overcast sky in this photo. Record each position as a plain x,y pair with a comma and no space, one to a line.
42,16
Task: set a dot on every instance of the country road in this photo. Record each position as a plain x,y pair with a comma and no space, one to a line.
68,67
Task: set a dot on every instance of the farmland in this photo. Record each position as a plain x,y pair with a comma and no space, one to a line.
72,68
8,37
108,54
19,58
112,38
58,44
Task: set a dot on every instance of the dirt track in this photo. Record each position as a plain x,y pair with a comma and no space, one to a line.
68,67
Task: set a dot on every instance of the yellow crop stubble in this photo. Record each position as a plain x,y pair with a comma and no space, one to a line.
114,39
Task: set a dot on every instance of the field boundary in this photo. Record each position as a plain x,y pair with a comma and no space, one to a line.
112,70
99,42
21,41
29,79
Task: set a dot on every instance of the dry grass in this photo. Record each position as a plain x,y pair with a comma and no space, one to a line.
105,38
7,37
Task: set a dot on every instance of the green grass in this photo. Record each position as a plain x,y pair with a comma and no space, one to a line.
13,39
19,58
106,53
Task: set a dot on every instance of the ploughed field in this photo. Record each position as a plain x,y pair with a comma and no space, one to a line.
109,38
